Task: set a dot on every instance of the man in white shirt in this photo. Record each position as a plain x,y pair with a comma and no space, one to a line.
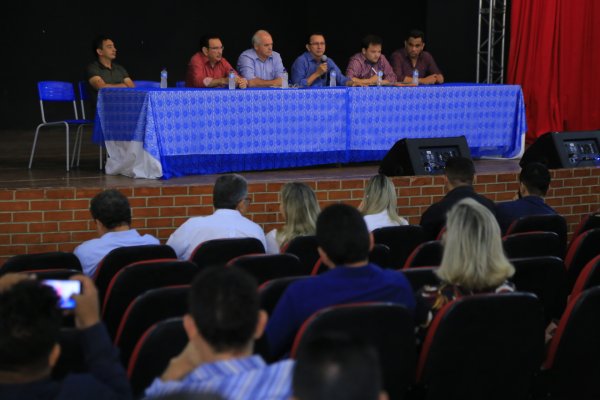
112,214
230,200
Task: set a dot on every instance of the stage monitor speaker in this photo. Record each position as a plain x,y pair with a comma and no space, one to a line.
564,150
422,156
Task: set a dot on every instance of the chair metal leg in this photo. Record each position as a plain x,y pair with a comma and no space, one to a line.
37,130
80,134
100,148
77,141
68,144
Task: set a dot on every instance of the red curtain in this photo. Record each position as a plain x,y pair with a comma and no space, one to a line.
555,56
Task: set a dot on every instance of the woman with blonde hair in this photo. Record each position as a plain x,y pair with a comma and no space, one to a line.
300,209
379,204
473,260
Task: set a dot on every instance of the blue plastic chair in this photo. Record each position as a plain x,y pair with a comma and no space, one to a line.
146,84
84,98
180,84
55,91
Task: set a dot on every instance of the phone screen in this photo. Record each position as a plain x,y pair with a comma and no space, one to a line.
64,289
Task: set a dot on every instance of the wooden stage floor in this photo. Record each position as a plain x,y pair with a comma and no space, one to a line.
48,169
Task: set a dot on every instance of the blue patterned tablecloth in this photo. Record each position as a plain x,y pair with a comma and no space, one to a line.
209,131
195,131
492,117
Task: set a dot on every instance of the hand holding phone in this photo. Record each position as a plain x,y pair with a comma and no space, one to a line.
65,289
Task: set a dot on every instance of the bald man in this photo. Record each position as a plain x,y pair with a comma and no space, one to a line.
260,65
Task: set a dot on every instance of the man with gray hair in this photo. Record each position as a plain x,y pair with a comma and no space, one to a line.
260,65
230,201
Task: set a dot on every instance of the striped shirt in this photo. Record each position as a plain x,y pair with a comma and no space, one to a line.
237,379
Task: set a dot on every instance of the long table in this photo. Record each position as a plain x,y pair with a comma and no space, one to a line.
154,133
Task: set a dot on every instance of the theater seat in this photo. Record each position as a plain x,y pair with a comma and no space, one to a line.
486,346
388,327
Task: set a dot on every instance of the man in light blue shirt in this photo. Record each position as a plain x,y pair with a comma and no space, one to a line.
313,68
112,215
223,321
261,66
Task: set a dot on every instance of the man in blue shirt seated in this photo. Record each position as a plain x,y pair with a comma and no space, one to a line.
313,67
112,215
534,181
30,322
223,322
344,246
260,65
336,367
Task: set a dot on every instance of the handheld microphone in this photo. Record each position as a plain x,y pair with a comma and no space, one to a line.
323,58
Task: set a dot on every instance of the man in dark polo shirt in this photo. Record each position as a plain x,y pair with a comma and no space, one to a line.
412,56
104,72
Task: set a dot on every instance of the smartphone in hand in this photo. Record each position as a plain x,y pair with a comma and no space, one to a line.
64,289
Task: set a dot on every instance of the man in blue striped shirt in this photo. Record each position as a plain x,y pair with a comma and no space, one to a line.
223,322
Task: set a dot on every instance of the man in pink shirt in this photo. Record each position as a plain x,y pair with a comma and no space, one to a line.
207,68
364,66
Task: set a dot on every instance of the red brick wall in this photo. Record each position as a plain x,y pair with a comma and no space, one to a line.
37,220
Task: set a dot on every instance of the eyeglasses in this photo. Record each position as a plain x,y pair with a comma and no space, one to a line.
217,48
247,200
317,44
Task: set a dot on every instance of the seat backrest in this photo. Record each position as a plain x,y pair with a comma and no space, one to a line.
118,258
589,221
546,278
221,251
381,255
84,97
547,223
387,327
39,261
137,278
584,248
270,291
485,346
532,244
154,350
305,247
401,240
588,277
265,267
56,91
58,273
572,358
146,84
419,277
146,310
427,254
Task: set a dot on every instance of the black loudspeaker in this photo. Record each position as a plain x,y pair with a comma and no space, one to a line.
564,150
422,156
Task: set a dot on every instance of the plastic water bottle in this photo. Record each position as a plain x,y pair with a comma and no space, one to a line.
332,78
415,79
231,79
284,80
163,78
379,77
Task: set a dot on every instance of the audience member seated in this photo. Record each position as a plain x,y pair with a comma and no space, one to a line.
223,322
335,367
473,261
230,200
112,214
379,204
300,209
30,322
534,181
459,173
344,245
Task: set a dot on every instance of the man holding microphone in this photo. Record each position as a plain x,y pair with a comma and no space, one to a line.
313,67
